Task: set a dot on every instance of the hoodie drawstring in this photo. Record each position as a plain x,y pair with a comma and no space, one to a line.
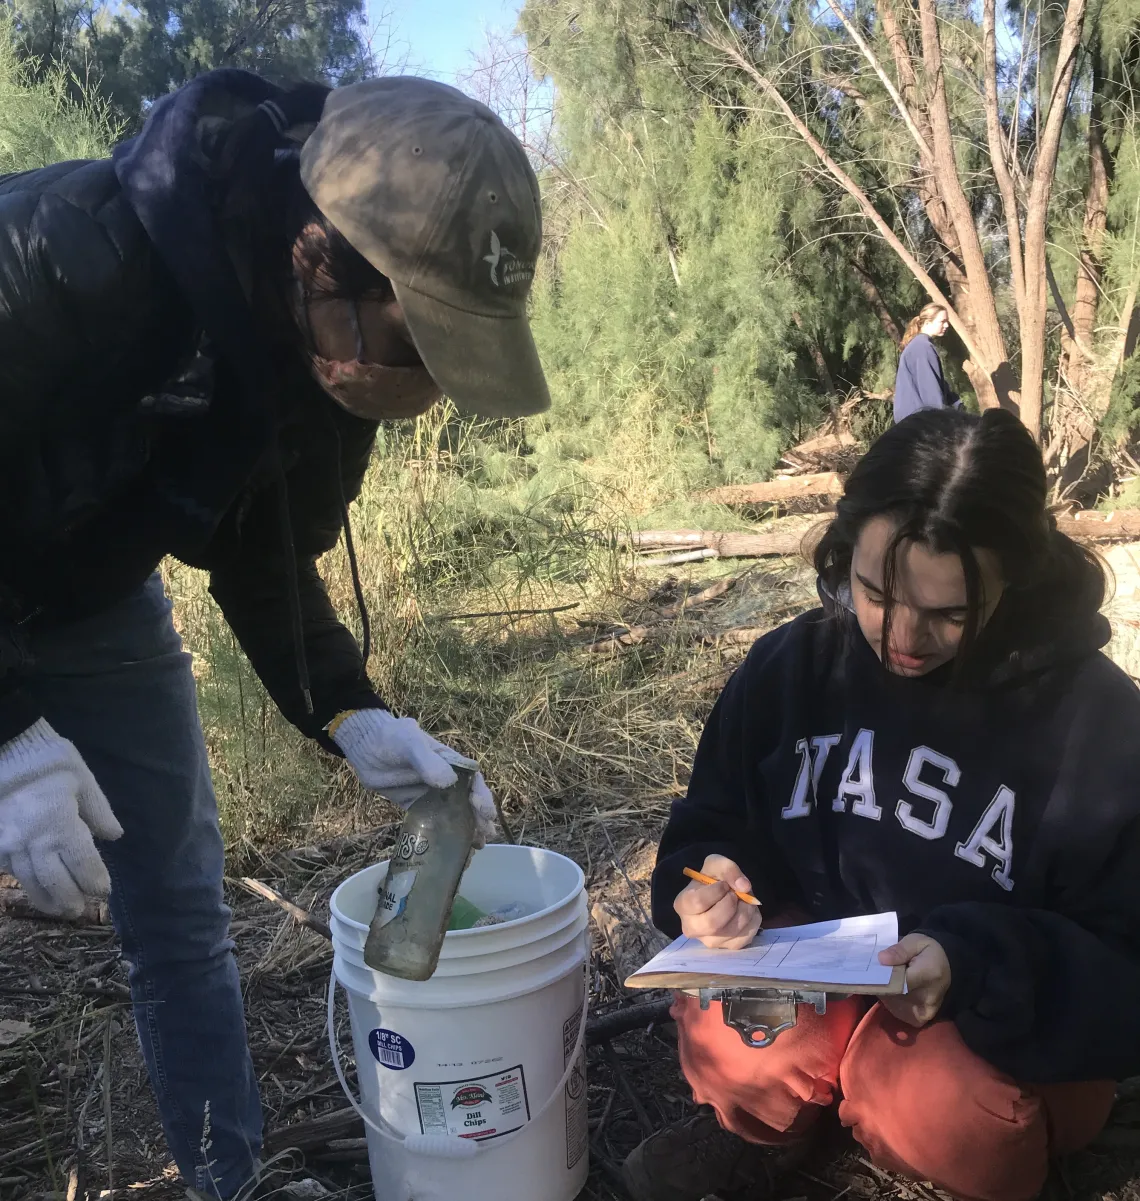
296,617
357,588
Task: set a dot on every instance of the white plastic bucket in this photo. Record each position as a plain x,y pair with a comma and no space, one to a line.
473,1083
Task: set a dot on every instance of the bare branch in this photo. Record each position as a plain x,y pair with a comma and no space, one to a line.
1063,313
870,290
982,307
904,64
945,166
998,155
729,46
925,184
885,79
1037,215
1127,337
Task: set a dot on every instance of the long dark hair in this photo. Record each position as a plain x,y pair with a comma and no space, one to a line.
956,483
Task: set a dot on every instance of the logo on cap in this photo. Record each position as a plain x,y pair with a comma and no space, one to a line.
514,270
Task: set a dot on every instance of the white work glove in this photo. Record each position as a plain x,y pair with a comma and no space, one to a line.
51,812
393,756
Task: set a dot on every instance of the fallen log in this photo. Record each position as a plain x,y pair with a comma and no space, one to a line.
786,537
687,556
632,636
14,902
780,538
314,1133
1090,526
712,592
792,487
825,444
621,1021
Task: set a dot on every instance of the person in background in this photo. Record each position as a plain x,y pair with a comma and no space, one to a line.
919,383
198,340
943,739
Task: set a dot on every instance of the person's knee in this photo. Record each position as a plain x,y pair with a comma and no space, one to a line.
923,1104
186,923
759,1091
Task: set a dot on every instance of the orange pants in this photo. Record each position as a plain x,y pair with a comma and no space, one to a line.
919,1101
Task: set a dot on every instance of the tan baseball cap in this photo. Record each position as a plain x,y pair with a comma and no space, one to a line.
436,192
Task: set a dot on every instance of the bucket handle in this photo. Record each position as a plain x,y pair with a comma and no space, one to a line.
441,1145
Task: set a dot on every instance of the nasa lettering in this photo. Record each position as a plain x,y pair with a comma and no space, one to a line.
925,809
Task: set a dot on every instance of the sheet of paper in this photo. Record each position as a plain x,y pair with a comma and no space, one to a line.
844,951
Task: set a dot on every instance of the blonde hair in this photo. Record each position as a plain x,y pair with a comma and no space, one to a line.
914,327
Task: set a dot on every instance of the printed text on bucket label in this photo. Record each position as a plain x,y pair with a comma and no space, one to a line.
391,1050
577,1115
478,1108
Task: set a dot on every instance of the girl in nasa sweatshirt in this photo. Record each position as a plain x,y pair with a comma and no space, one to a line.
945,739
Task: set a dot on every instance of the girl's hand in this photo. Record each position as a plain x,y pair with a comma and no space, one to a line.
927,979
713,913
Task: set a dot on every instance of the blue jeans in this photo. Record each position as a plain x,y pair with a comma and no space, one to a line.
119,686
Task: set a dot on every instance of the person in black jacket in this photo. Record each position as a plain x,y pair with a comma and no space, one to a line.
946,740
198,339
920,382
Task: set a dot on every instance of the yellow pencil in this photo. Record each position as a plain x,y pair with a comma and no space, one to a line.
701,878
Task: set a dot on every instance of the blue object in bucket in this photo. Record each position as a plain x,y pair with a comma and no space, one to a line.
391,1050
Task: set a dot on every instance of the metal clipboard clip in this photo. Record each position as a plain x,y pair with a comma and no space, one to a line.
760,1015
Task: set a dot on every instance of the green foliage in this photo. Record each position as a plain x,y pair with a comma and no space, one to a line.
688,297
137,53
42,120
1123,416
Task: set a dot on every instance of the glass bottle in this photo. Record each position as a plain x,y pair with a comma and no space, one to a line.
415,898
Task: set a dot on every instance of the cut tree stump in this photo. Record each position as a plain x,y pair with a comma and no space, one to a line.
792,487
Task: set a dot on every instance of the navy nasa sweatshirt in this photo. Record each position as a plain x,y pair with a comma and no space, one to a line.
1001,819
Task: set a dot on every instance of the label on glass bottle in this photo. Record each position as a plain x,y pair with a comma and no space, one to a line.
394,896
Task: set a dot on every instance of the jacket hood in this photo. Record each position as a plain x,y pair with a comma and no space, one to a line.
167,176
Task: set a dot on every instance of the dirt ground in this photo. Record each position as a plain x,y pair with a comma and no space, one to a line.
75,1108
77,1119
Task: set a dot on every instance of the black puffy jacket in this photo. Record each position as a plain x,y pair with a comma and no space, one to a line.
127,433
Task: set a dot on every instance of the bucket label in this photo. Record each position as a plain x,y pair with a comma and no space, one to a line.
391,1050
479,1108
394,896
577,1110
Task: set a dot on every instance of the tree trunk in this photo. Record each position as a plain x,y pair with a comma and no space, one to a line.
948,210
1036,218
874,297
1085,400
926,184
998,389
822,371
1086,299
